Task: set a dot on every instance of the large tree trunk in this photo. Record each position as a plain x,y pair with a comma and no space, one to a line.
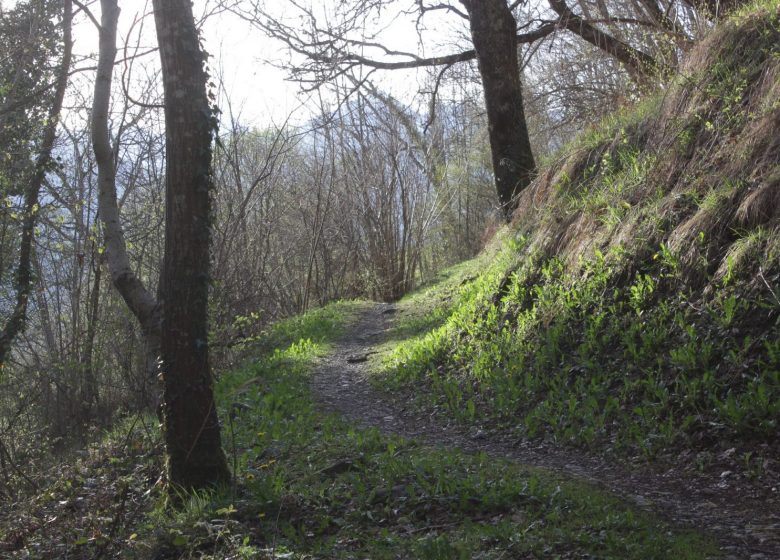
494,33
195,458
24,271
138,298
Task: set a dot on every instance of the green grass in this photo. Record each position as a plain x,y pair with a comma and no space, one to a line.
593,360
620,122
430,306
313,485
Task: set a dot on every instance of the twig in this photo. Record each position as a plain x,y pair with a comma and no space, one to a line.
771,290
130,431
432,528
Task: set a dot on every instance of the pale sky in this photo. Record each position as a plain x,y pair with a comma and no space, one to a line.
258,90
263,90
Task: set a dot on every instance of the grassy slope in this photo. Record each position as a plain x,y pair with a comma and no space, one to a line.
312,485
633,306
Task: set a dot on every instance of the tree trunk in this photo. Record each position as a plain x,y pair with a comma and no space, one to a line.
139,300
24,271
195,458
89,386
494,33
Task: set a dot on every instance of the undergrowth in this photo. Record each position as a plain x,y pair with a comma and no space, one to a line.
310,484
591,359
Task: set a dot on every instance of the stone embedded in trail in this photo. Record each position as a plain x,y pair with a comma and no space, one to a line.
359,358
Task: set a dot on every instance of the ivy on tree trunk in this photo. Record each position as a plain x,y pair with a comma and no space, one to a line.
195,458
24,272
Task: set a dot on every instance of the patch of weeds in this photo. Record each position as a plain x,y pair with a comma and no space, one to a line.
612,189
310,484
423,313
92,503
591,358
744,253
626,118
322,325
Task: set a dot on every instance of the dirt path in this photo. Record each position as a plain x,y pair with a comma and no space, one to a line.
745,519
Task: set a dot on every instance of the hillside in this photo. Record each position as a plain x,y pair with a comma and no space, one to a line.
602,381
633,305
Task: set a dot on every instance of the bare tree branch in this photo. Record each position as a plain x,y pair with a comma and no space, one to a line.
637,62
441,6
88,13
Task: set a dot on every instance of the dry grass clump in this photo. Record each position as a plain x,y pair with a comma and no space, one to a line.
761,205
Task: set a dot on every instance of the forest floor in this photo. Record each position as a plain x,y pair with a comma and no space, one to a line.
736,513
328,464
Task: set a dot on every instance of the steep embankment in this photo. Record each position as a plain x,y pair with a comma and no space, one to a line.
632,308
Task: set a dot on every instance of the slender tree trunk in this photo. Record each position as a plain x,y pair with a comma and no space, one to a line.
138,298
195,458
24,271
89,388
494,33
43,311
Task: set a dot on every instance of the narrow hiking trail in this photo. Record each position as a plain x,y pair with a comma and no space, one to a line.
744,520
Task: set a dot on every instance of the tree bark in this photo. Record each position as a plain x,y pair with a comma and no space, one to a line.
494,33
136,296
24,271
195,458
